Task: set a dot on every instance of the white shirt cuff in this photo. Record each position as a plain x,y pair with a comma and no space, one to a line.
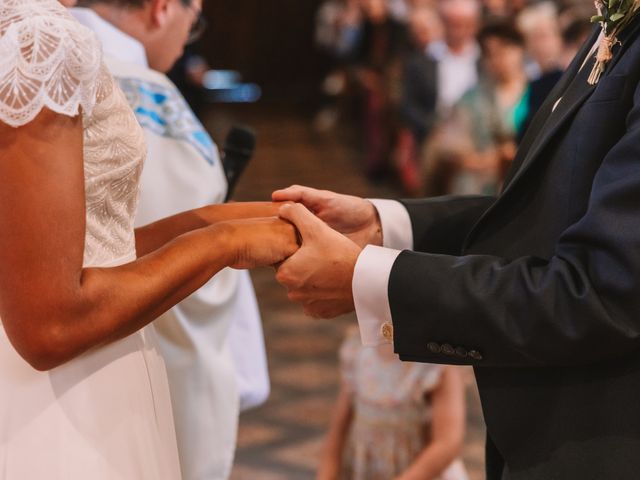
397,232
371,294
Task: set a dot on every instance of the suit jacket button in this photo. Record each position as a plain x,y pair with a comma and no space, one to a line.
475,355
434,347
448,349
462,352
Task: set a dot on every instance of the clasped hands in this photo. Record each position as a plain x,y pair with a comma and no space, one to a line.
333,230
317,270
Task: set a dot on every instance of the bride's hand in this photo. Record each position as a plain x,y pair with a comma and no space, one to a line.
239,210
153,236
260,242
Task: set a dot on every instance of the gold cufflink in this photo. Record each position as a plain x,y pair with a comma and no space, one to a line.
387,331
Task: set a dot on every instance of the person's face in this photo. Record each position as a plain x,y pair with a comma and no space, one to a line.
376,10
425,28
173,33
545,44
496,7
502,59
460,28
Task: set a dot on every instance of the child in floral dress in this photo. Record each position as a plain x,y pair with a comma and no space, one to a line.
394,420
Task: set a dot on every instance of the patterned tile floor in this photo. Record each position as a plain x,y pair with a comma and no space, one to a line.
282,439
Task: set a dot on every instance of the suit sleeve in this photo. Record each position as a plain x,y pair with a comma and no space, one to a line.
579,307
371,274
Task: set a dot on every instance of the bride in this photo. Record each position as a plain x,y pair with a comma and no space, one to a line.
83,390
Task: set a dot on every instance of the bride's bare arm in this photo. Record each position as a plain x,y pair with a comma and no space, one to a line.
53,309
151,237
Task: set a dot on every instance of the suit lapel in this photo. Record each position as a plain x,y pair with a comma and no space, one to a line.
573,89
578,92
540,118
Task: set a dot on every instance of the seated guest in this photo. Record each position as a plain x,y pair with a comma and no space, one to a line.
377,55
338,25
458,55
552,48
182,171
477,143
400,10
418,108
394,420
338,29
575,31
540,26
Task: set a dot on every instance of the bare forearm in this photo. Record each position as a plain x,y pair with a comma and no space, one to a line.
153,236
111,303
52,309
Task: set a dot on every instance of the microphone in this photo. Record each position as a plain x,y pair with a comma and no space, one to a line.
238,150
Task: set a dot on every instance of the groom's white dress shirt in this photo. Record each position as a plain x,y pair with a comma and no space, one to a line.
373,269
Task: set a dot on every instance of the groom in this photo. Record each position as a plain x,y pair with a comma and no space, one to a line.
538,289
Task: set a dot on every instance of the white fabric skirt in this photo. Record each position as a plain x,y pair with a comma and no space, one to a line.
103,416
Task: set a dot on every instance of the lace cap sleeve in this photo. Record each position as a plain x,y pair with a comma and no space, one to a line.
47,59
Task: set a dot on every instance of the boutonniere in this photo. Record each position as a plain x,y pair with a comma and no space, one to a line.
614,16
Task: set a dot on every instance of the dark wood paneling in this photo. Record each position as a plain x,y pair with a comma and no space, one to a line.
269,41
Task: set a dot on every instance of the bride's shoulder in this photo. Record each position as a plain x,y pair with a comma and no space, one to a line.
47,59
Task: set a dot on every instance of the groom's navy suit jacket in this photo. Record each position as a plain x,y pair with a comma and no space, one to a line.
539,289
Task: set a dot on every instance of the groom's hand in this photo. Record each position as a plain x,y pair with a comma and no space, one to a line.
319,275
355,217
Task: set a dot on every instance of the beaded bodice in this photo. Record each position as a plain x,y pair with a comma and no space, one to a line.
48,60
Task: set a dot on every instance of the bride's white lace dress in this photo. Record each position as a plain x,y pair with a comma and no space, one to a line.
106,415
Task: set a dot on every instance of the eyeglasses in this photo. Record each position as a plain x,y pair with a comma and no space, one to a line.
199,24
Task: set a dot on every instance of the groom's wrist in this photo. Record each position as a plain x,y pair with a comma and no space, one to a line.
370,288
395,224
375,229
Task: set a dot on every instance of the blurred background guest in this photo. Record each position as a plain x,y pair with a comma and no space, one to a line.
394,420
502,9
378,55
418,107
338,30
550,49
458,55
541,28
477,142
575,31
540,25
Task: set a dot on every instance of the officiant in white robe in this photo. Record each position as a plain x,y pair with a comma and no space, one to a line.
183,171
